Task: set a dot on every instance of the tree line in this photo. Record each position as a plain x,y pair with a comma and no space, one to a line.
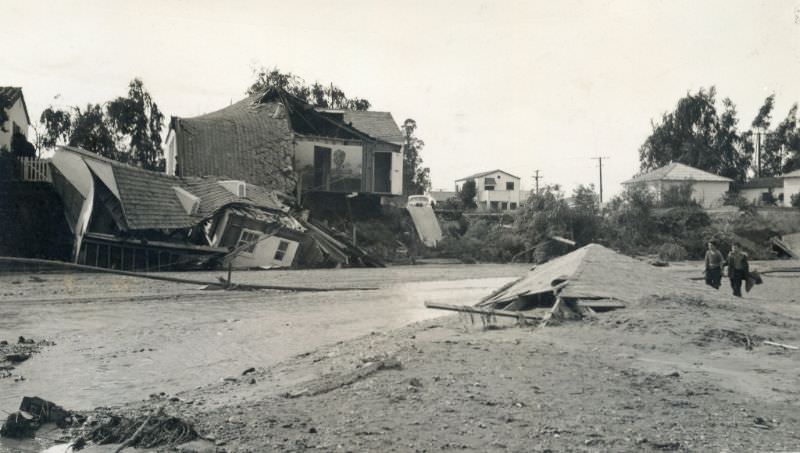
702,134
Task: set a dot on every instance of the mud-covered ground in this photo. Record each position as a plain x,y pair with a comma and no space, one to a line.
664,374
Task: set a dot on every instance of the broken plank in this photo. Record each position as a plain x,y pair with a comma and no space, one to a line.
781,345
481,311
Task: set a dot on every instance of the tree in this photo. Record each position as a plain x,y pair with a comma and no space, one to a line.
780,148
416,178
128,129
697,135
137,123
544,214
585,220
467,194
324,96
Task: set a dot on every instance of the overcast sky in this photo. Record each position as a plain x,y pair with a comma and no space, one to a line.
518,86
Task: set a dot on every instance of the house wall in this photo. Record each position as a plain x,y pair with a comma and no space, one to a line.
346,164
264,253
485,197
754,195
172,152
791,186
397,173
16,115
708,193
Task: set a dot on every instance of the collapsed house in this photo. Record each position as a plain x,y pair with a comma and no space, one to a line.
282,143
127,218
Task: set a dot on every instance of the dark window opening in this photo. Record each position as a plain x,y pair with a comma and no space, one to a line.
283,246
510,185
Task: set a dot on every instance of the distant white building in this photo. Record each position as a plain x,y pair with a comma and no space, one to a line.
12,101
496,190
708,189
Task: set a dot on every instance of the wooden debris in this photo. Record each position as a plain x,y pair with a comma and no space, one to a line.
781,345
483,311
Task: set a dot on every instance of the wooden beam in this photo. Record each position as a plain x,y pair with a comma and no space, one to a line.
102,270
482,311
600,303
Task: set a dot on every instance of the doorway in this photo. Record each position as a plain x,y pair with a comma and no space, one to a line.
322,168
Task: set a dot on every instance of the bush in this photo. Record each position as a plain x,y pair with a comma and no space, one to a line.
671,252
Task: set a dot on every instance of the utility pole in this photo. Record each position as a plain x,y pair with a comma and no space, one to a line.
599,159
536,178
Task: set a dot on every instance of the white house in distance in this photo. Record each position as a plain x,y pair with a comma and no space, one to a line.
12,101
708,189
496,190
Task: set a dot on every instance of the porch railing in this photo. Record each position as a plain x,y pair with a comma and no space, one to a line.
34,170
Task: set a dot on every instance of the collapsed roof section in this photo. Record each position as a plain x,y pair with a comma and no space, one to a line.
590,273
145,200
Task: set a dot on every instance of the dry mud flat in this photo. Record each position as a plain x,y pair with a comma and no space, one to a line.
666,374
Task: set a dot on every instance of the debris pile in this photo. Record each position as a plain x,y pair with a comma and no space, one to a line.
33,413
573,286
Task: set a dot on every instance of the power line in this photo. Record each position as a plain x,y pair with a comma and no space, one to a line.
600,161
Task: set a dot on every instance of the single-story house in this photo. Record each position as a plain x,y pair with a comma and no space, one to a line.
496,190
128,218
759,190
13,104
708,189
277,141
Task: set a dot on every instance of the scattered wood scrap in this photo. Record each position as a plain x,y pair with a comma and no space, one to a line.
332,382
483,311
781,345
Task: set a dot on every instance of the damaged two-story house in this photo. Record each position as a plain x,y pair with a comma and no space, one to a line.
280,142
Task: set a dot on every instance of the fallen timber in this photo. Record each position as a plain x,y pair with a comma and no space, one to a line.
224,284
482,311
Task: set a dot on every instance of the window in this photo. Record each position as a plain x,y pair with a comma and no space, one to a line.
513,206
283,246
504,206
510,185
248,237
493,205
489,188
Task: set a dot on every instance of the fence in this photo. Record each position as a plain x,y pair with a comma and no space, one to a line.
34,170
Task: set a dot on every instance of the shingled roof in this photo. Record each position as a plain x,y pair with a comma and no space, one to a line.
249,140
149,201
10,95
378,125
677,171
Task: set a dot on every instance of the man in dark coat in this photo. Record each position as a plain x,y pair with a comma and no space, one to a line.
738,269
714,264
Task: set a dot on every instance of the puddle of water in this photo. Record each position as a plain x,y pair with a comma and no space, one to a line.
112,353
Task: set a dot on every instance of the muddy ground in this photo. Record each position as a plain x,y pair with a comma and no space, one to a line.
665,374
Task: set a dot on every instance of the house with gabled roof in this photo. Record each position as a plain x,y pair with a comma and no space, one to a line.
496,190
13,104
708,189
280,142
129,218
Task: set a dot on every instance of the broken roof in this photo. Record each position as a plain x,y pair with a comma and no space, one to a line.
149,201
378,125
677,171
592,272
10,95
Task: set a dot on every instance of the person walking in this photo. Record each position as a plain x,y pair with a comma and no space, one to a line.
738,268
714,263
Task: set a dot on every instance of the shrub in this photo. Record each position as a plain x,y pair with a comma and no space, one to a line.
671,252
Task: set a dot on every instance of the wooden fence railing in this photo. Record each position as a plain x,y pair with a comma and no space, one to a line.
34,170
